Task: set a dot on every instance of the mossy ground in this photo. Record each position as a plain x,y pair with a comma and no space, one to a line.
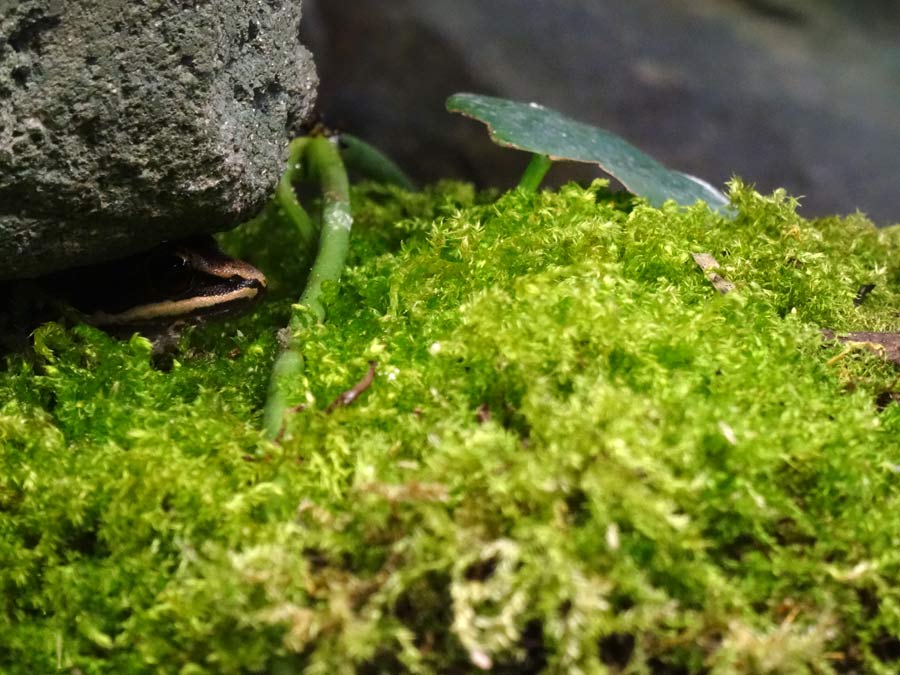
576,457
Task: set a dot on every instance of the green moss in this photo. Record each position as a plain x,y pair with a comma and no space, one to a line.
577,456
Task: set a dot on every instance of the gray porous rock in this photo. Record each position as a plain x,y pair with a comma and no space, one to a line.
124,123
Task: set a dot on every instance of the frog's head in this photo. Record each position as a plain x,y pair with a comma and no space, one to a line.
176,281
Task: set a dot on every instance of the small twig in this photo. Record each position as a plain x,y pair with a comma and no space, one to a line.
349,396
707,263
293,410
345,399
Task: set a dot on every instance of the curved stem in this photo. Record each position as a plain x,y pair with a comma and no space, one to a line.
372,163
328,170
287,198
324,165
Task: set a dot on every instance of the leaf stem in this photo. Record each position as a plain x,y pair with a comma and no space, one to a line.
535,171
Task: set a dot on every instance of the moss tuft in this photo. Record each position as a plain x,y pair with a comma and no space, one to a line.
577,456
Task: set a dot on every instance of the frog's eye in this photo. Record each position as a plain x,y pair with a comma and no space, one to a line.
169,275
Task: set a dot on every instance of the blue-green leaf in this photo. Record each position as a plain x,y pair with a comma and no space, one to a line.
534,128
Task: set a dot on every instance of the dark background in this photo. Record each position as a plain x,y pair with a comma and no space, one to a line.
804,95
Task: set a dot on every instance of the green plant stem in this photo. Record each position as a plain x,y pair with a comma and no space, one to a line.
328,170
371,163
534,173
285,196
325,167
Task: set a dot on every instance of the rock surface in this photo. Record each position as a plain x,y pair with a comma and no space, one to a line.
795,93
126,123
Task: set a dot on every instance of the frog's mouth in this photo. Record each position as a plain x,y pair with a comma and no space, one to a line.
175,281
